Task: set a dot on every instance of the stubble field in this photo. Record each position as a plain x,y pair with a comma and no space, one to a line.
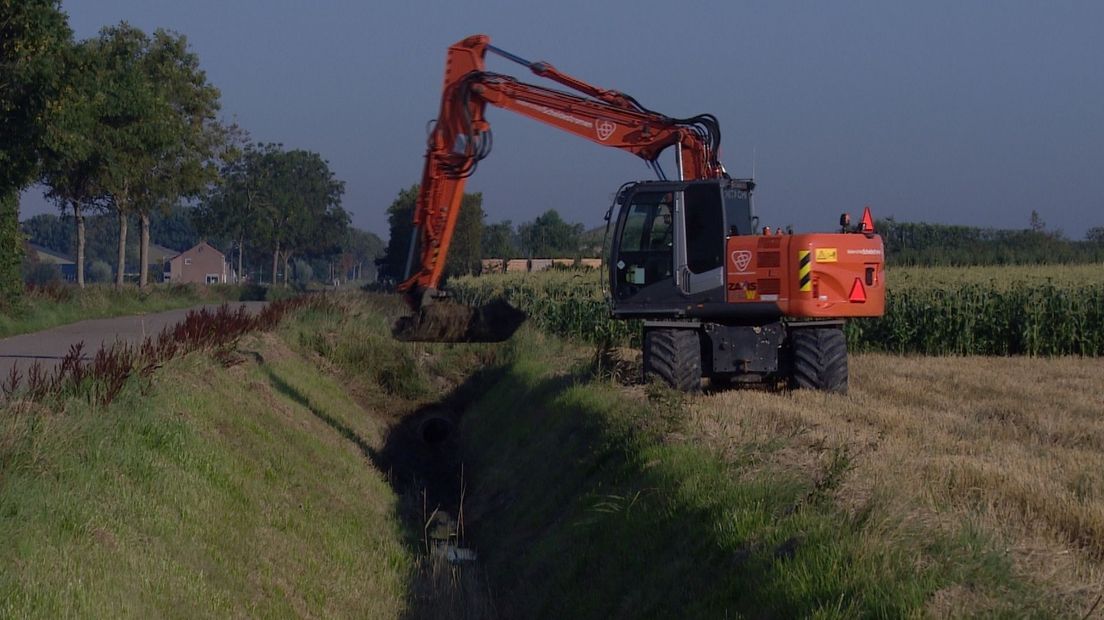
1011,446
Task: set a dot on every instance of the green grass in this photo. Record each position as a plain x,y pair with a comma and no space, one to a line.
660,527
250,491
210,493
657,526
45,308
60,305
573,482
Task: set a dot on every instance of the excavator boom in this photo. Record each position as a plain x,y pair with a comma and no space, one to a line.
461,137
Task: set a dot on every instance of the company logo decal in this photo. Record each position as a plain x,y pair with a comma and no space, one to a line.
605,129
741,259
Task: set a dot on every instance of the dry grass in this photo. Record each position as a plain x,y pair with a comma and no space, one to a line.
1014,447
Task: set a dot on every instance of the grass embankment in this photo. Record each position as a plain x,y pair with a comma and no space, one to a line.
60,305
936,487
205,492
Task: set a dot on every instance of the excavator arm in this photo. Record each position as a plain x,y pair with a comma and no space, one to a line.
461,137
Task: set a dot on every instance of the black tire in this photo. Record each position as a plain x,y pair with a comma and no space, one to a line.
819,359
674,355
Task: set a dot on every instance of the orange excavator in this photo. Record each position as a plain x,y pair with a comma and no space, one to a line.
719,297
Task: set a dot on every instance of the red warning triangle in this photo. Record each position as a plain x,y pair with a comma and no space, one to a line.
858,292
867,224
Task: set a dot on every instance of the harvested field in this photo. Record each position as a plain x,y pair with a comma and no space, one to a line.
1013,446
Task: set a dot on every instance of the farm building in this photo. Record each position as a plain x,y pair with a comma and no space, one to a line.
202,264
65,265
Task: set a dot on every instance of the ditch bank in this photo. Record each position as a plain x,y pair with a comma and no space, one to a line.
560,493
213,481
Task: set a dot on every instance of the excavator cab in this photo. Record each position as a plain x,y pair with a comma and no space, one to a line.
669,240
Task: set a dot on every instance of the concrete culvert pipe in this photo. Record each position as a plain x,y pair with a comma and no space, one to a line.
435,429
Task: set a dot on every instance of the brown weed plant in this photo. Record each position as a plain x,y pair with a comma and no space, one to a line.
102,378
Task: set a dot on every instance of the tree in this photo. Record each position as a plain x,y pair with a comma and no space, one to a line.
99,271
72,161
1095,234
185,164
361,248
33,34
156,125
48,231
466,248
301,211
550,236
499,240
400,220
130,122
174,229
303,273
232,209
1036,222
466,240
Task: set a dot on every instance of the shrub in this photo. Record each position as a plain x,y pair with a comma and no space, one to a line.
99,271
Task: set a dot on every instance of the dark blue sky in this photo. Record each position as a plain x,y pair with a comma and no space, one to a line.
958,112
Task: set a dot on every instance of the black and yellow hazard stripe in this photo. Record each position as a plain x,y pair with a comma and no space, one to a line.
805,270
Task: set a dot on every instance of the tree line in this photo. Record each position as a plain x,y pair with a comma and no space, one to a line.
547,236
125,125
906,243
925,244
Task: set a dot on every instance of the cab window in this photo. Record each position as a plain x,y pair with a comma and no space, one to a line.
648,226
704,228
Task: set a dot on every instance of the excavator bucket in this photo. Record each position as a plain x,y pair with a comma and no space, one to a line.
444,321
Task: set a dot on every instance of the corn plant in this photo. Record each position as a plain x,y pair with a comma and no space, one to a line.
933,311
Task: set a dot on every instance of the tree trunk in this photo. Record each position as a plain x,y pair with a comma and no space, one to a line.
121,265
241,250
143,251
275,259
78,218
287,257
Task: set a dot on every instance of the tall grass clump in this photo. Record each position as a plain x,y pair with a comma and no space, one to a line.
47,306
101,377
356,336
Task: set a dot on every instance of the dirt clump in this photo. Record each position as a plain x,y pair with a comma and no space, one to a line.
452,322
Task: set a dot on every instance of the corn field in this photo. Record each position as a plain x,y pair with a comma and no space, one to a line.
564,302
1052,310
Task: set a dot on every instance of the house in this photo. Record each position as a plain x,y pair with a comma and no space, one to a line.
66,266
201,264
159,254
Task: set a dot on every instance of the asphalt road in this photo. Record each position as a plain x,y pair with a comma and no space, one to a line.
50,346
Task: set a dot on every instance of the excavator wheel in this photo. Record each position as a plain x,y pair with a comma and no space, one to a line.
819,359
674,355
446,321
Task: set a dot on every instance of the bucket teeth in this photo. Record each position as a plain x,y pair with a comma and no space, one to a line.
451,322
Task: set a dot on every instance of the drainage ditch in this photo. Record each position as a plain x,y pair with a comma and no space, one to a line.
421,457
